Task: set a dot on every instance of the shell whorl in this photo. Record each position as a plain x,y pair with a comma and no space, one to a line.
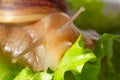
21,11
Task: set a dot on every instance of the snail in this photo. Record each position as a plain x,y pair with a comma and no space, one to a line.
37,33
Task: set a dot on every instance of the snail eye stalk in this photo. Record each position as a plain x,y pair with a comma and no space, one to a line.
66,25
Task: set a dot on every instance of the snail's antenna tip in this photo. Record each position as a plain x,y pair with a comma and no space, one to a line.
82,9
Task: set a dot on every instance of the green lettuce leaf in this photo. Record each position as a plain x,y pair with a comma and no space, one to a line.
28,74
104,68
74,59
105,52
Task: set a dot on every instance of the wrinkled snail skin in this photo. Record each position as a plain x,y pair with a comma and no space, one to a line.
18,34
16,39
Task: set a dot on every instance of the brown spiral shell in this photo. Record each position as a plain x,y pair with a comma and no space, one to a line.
20,11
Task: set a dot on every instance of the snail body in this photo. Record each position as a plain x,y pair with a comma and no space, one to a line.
48,54
41,42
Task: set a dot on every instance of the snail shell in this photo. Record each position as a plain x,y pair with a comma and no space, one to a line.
21,11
